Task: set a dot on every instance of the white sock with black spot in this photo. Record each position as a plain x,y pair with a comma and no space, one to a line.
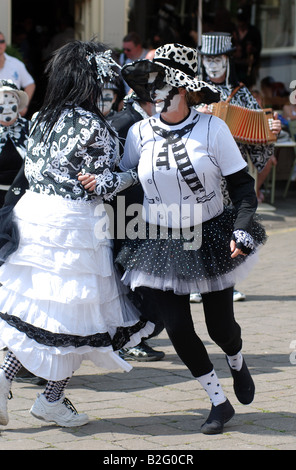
212,386
235,361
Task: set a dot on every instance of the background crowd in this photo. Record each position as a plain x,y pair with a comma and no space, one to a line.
34,44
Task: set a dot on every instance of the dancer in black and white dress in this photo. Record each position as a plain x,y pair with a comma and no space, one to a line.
61,301
186,241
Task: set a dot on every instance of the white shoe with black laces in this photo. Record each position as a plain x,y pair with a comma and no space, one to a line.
61,412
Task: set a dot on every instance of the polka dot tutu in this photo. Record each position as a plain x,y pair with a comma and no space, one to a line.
163,262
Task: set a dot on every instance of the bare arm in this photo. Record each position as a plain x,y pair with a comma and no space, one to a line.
30,90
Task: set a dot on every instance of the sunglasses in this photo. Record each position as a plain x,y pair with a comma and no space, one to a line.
2,41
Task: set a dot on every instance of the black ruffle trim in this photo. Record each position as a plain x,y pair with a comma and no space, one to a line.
98,340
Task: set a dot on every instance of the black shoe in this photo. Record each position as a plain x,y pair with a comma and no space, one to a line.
25,376
243,384
218,416
141,352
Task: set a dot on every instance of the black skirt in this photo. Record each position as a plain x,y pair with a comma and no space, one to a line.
171,261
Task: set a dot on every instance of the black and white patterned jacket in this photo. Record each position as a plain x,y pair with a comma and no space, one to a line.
79,142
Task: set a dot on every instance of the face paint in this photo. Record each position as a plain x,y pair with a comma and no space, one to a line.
215,66
8,106
108,98
169,99
165,97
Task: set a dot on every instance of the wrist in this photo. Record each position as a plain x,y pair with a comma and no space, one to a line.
244,241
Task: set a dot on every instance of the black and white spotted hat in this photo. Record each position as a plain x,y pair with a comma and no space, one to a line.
178,64
216,44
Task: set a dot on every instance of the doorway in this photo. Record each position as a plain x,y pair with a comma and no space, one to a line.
36,28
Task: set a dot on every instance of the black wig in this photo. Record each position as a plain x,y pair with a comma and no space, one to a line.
72,81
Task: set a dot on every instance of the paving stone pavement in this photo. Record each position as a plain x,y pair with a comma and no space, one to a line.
159,407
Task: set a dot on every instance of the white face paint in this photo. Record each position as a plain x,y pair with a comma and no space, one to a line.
108,98
169,99
215,66
8,107
152,76
165,97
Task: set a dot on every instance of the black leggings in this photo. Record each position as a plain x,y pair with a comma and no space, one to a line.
219,316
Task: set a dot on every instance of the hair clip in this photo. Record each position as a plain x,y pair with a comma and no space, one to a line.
104,63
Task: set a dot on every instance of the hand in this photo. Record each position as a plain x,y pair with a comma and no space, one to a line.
88,181
276,125
235,251
24,111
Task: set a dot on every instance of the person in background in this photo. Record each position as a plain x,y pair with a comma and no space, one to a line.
112,98
13,69
272,161
133,49
273,91
248,42
289,112
14,132
61,300
135,110
218,70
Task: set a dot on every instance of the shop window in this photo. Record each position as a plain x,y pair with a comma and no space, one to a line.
276,21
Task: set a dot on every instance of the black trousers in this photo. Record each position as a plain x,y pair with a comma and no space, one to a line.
174,312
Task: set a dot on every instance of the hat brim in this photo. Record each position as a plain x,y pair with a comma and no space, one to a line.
24,99
137,73
22,96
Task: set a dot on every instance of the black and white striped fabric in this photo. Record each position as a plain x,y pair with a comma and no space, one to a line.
216,44
182,159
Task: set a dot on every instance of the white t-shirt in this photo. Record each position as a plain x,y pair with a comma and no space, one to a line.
16,71
187,193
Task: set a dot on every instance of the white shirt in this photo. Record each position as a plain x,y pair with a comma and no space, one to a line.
16,71
210,152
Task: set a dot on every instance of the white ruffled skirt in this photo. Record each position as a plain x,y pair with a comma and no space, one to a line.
61,300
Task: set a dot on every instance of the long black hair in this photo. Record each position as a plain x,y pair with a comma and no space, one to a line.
72,81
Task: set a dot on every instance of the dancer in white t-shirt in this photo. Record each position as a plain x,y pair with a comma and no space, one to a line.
186,241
